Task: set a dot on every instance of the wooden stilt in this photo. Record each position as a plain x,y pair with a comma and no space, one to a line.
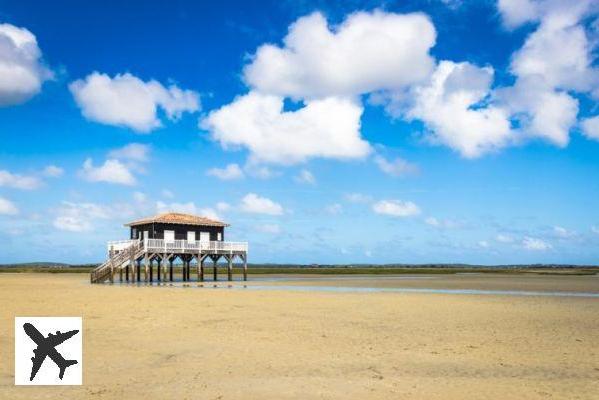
110,256
138,272
245,267
152,270
201,272
230,268
170,270
164,267
158,263
127,273
215,260
121,274
146,265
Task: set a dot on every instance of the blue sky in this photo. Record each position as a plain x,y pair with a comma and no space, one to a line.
323,132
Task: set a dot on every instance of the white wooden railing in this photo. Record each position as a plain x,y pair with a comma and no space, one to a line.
118,245
165,246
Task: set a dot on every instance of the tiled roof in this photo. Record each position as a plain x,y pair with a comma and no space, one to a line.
177,218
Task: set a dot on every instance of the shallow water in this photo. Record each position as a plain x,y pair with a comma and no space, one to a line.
345,289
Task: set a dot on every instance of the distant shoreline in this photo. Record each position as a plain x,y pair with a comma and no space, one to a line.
359,269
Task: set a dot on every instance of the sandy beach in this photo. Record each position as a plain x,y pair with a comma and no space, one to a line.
190,342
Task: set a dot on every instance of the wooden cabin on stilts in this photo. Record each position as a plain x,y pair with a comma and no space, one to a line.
155,243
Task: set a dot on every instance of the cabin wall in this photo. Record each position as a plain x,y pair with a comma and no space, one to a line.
156,231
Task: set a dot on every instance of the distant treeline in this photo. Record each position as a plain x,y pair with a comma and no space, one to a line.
343,268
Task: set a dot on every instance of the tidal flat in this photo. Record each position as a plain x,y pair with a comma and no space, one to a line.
269,341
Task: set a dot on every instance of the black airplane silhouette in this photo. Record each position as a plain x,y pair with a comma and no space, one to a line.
46,347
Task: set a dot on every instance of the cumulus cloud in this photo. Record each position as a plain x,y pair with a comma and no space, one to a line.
127,101
7,207
52,171
80,217
517,12
230,172
452,107
17,181
112,171
397,167
136,152
252,203
590,127
396,208
556,59
22,71
306,177
328,128
530,243
368,51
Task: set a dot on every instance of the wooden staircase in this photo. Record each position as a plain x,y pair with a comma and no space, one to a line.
116,261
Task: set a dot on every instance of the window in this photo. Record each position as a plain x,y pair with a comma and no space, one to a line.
219,236
134,233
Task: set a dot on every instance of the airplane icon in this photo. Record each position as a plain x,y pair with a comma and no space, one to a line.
46,347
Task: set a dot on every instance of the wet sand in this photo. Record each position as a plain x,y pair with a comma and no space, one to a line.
189,342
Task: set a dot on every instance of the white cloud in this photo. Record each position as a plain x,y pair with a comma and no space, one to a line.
327,128
441,223
80,217
126,100
542,111
269,228
555,59
52,171
334,209
503,238
21,69
357,198
483,243
223,206
7,207
17,181
590,127
167,194
365,53
447,107
112,171
563,233
530,243
595,229
136,152
306,177
260,171
230,172
252,203
517,12
396,208
140,197
397,167
210,213
186,208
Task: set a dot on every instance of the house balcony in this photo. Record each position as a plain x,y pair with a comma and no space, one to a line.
180,246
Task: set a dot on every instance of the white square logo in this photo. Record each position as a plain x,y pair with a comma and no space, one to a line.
48,351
